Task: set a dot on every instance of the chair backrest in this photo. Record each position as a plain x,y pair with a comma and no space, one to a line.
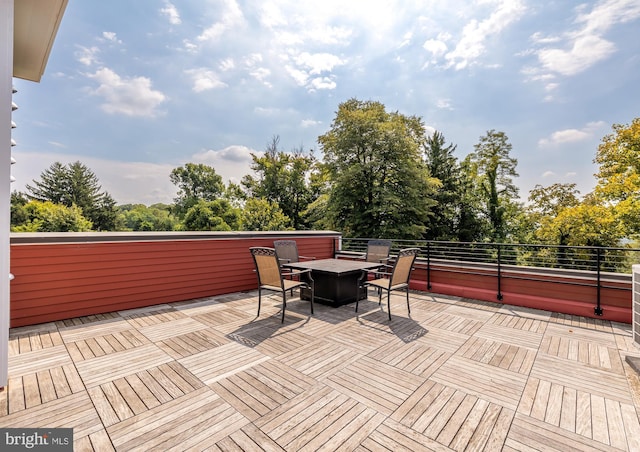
267,266
403,266
287,250
378,250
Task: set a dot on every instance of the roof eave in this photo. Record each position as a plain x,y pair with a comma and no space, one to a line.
36,24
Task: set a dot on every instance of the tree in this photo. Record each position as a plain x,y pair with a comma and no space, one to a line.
471,225
195,182
260,214
19,214
619,174
282,178
75,185
443,165
46,216
217,215
139,217
545,204
380,184
496,169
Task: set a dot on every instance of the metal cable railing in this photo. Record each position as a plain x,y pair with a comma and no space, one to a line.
595,266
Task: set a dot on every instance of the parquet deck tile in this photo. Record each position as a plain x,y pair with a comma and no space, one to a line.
209,374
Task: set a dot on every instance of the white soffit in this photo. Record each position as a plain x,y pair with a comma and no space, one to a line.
35,25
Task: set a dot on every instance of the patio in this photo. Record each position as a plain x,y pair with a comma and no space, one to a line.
457,374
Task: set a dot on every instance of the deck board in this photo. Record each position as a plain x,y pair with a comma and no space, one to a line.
456,375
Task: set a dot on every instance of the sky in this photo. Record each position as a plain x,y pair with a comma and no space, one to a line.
136,89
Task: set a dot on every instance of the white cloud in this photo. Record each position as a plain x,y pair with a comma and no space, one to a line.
111,36
436,47
585,45
584,53
132,97
126,182
444,104
475,33
232,162
171,12
571,135
322,83
318,63
227,64
231,18
87,55
309,123
548,174
204,80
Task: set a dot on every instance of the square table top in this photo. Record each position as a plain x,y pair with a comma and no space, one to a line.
336,266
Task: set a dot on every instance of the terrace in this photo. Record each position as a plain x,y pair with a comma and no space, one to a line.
180,360
457,374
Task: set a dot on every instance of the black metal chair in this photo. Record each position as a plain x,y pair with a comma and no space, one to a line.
378,251
270,276
398,277
287,251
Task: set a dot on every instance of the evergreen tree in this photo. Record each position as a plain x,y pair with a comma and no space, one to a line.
76,185
443,165
496,170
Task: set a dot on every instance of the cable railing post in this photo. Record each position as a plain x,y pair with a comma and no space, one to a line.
428,265
499,272
598,308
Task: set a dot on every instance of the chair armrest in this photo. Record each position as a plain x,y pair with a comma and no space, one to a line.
307,258
284,260
299,272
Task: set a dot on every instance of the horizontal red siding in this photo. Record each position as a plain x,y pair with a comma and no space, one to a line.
55,281
76,277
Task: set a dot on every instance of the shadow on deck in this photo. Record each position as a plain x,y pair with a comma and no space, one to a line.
457,374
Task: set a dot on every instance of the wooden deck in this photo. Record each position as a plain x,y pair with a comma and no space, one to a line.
207,374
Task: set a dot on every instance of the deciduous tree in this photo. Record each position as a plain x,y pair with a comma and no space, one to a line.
618,174
260,214
195,182
380,184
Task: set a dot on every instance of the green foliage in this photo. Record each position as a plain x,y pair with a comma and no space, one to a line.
235,195
282,178
75,185
495,170
139,217
196,182
45,216
471,225
260,214
19,214
443,165
619,174
217,215
380,184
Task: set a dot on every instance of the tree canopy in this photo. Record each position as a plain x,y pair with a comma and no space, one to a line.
380,186
195,182
75,185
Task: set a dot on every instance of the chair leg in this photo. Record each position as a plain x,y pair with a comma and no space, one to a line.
389,303
284,303
312,296
259,300
408,307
